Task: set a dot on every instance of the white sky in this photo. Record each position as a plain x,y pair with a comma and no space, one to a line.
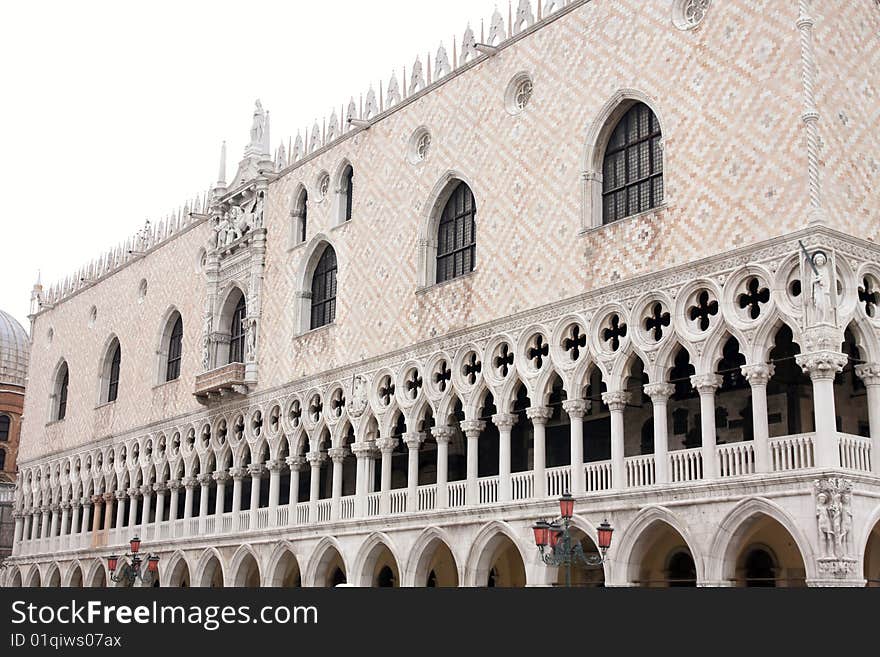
113,112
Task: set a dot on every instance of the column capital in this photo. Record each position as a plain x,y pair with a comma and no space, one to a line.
387,444
109,497
337,454
134,491
206,478
414,439
505,421
822,365
869,373
238,473
121,494
221,476
539,414
276,465
256,470
75,504
473,428
706,384
576,408
146,490
160,487
443,434
65,506
190,482
54,508
616,400
296,463
175,484
758,374
659,392
316,458
362,450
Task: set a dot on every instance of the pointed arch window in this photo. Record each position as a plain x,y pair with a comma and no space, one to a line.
5,424
113,377
301,217
61,385
456,235
347,192
324,290
237,332
175,351
2,459
632,174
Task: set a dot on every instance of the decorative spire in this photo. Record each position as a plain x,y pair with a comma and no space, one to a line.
221,176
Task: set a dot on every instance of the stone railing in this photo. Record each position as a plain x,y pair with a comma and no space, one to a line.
685,467
221,382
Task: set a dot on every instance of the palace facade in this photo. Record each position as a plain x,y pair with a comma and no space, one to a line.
619,248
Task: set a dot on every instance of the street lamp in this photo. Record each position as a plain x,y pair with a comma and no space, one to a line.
129,574
554,540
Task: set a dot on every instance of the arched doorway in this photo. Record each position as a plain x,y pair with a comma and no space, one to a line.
330,570
380,569
76,578
872,558
582,575
286,574
764,554
436,567
212,575
661,558
53,578
248,574
500,564
180,577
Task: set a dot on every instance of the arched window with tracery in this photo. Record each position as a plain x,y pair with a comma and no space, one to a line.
175,351
5,424
457,235
347,191
110,373
62,382
324,290
632,172
237,331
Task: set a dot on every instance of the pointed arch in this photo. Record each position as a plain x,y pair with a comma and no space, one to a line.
177,573
299,216
628,557
169,354
343,192
367,560
60,390
282,568
74,578
421,554
448,184
209,570
325,554
486,547
729,537
245,568
595,145
314,262
109,371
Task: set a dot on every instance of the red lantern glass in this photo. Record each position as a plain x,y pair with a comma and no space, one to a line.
605,531
566,506
111,563
555,534
135,545
153,564
542,530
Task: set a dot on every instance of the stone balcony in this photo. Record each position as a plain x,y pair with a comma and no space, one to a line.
221,383
736,463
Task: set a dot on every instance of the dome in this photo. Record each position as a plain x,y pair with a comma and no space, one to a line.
14,347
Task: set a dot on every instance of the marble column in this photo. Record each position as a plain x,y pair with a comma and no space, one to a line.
205,480
577,409
220,478
133,506
337,457
274,467
707,385
256,471
505,423
174,500
442,435
822,367
616,402
540,415
386,447
316,460
189,485
472,430
362,451
869,373
660,394
758,376
296,465
237,474
160,487
413,440
147,497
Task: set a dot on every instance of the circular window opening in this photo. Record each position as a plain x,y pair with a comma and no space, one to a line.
519,93
419,146
323,186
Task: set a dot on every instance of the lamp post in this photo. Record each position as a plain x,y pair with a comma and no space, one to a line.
556,536
130,573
